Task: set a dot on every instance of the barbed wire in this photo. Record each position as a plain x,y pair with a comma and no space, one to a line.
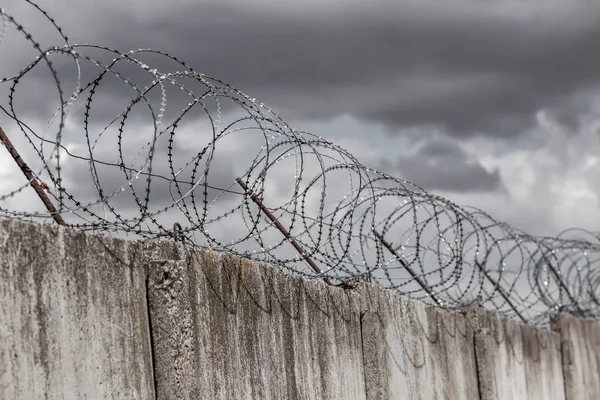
188,156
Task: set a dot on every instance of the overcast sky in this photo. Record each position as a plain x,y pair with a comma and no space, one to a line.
494,104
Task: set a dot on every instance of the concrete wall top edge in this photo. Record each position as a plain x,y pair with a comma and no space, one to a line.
369,297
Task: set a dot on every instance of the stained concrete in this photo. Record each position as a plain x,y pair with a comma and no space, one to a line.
226,328
414,351
98,318
516,361
580,356
73,319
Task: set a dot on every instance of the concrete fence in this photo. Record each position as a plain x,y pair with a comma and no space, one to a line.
90,317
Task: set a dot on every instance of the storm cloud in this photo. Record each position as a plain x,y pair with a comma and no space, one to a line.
467,67
441,164
474,75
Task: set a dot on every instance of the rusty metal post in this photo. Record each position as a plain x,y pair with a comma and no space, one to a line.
416,277
282,229
29,175
501,291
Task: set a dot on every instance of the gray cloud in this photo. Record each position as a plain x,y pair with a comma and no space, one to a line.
441,164
467,74
483,70
468,68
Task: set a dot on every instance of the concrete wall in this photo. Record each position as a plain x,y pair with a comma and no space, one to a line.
235,330
416,351
99,318
580,356
73,316
516,361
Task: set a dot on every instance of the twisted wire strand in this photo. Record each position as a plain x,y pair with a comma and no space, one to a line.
172,154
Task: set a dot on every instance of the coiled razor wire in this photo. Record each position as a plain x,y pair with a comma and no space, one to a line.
187,156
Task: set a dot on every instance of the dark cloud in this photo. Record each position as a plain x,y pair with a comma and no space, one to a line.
441,164
465,67
464,74
483,70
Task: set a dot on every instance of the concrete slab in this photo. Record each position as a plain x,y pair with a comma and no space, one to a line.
516,361
581,356
414,351
73,320
226,328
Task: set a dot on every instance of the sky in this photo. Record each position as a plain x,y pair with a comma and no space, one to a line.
492,104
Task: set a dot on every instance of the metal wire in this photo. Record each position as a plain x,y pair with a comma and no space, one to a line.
186,150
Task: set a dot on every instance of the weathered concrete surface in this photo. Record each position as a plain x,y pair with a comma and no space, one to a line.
414,351
73,320
226,328
76,313
516,361
580,356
